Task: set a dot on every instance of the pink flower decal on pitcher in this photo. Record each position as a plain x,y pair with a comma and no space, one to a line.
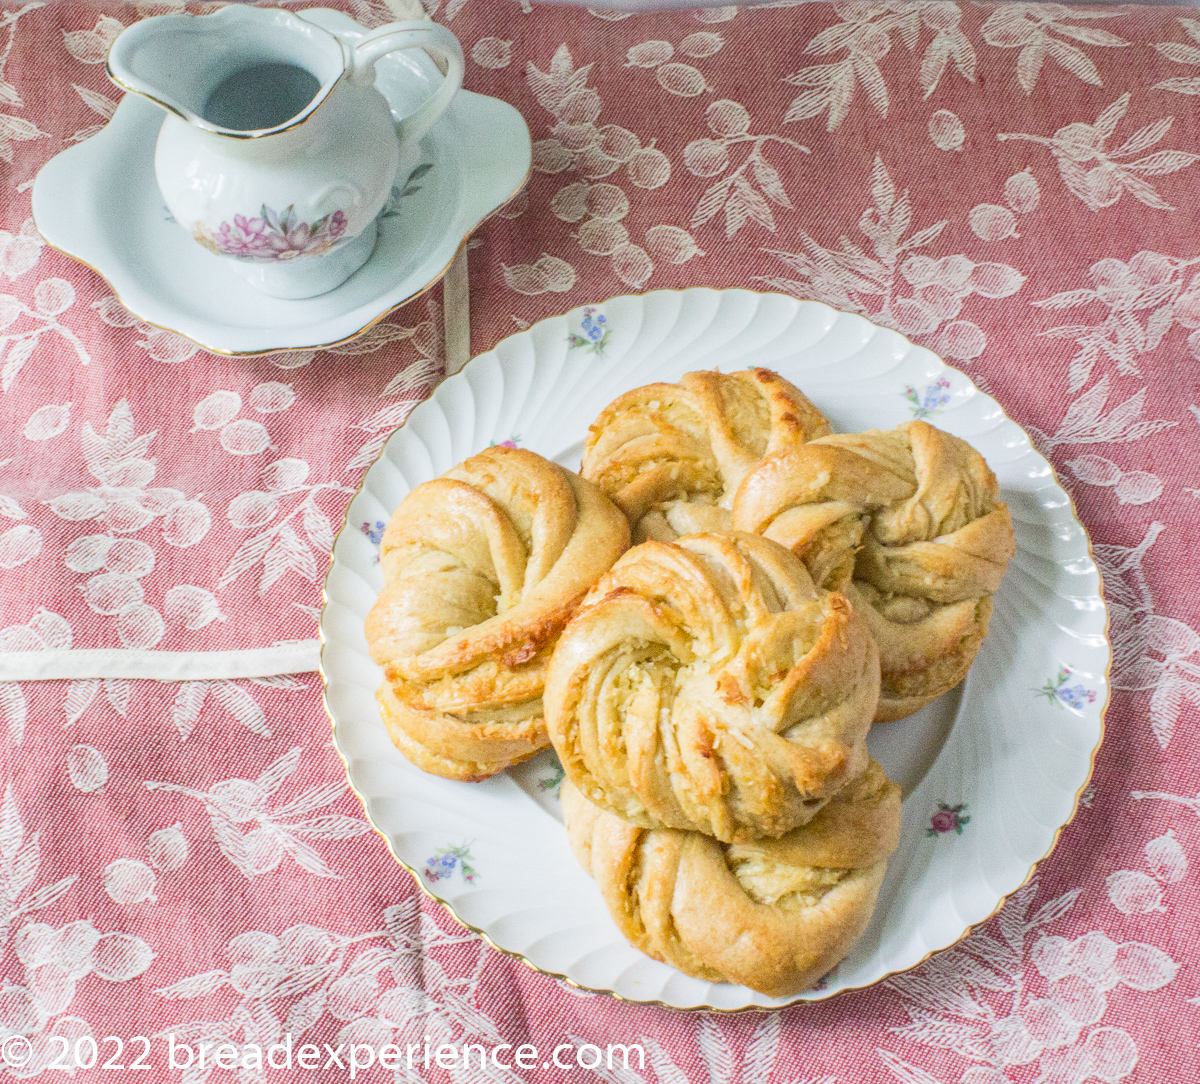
272,235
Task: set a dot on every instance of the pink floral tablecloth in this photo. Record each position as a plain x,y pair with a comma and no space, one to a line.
1014,186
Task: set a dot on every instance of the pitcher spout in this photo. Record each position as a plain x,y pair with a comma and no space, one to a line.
241,72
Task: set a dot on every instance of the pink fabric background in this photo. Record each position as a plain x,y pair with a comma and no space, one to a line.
1102,985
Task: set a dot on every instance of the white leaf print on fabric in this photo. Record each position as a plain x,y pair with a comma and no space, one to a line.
735,193
1099,176
847,278
720,1065
1031,28
51,299
191,697
1182,53
410,385
1151,652
1163,290
13,709
865,35
1086,423
279,549
984,1001
8,92
97,103
276,832
91,46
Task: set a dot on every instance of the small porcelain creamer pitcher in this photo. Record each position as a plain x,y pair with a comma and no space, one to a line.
277,152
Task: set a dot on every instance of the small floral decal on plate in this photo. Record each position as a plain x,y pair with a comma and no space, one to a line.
1058,692
552,781
512,442
948,818
595,332
272,236
928,400
443,864
825,979
374,533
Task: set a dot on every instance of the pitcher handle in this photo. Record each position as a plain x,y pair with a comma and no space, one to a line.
418,34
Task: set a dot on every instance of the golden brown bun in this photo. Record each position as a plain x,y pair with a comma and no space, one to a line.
908,523
482,568
774,915
672,455
706,684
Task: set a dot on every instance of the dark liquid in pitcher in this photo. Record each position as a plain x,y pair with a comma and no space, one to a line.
261,96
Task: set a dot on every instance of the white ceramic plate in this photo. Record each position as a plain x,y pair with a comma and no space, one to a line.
991,772
99,202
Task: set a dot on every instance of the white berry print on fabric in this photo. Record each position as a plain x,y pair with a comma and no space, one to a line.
593,152
50,962
864,36
242,436
14,129
160,344
900,287
408,981
1182,53
1146,297
744,193
1100,176
1039,30
255,831
1151,652
1014,998
673,75
1141,891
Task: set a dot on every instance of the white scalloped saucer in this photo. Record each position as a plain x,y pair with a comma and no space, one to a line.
991,772
99,203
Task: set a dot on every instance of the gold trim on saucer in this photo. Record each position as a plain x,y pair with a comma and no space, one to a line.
969,929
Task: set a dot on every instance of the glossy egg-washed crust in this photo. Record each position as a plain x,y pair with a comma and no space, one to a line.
909,525
775,915
707,684
672,455
482,568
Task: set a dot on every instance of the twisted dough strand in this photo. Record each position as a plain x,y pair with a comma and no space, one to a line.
671,455
774,915
908,523
482,568
706,684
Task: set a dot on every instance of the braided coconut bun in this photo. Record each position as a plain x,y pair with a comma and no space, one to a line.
482,568
671,455
908,523
707,684
774,915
